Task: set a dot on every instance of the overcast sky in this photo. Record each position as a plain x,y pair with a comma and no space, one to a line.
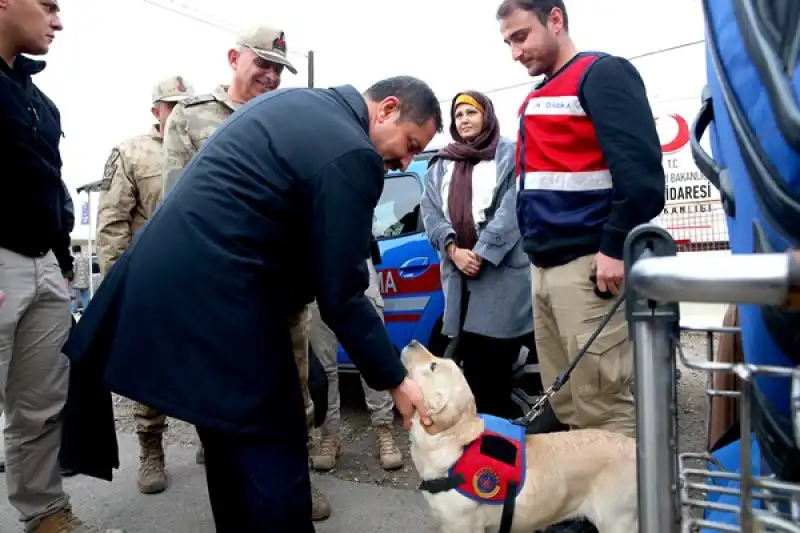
103,65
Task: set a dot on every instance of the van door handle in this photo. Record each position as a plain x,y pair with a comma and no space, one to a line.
414,267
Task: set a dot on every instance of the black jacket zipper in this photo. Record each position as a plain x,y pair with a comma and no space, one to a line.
35,118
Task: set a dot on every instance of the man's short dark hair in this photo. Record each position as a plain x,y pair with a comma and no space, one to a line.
418,102
540,8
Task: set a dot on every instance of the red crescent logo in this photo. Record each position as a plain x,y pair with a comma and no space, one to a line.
681,138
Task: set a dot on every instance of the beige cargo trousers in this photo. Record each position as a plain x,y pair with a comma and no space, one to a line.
566,312
35,321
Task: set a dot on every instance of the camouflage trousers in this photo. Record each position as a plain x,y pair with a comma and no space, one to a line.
151,421
299,325
324,343
148,420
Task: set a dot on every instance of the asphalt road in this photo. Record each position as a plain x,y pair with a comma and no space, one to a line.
184,508
359,507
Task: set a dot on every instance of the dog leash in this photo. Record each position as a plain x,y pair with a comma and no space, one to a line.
538,407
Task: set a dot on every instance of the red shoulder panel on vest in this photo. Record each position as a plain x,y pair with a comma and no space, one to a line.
489,463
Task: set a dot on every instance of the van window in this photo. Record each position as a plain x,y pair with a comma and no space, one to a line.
397,213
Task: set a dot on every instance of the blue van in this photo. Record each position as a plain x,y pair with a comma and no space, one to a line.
410,282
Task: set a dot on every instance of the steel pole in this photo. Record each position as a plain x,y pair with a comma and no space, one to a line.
311,68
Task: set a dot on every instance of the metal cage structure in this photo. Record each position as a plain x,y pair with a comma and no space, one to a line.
677,490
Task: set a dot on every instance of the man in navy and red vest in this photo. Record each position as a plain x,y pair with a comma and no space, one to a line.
589,164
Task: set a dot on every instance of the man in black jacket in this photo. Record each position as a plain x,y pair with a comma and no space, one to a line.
273,212
35,266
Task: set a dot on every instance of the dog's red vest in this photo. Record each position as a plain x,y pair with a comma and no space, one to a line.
489,463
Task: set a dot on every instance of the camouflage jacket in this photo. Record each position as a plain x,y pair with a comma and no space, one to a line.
188,127
129,194
81,268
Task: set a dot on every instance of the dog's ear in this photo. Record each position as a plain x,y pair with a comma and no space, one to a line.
443,412
435,402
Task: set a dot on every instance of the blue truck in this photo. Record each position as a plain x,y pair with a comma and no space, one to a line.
410,282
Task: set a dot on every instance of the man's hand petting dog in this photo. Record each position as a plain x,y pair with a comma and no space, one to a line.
408,399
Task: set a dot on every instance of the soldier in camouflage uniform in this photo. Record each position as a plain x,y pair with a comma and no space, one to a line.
379,403
258,62
130,192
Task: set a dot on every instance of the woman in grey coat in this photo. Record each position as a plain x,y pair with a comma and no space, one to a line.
469,212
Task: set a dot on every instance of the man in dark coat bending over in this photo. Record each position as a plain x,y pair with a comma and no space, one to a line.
273,212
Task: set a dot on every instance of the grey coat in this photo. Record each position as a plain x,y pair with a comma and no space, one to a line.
500,296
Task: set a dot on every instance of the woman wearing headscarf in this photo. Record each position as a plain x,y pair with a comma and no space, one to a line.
469,212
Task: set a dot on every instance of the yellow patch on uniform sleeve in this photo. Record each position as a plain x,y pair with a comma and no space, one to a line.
110,169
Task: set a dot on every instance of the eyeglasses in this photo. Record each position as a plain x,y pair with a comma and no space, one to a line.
264,64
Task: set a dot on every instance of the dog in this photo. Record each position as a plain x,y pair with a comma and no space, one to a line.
566,475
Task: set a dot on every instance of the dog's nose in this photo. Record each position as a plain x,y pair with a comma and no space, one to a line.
404,356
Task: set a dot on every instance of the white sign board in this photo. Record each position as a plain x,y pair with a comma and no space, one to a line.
693,211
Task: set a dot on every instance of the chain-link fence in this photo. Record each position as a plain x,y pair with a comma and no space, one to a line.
696,226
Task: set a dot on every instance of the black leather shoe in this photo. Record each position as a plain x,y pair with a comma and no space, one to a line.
2,466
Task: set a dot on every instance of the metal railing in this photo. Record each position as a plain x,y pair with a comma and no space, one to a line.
673,488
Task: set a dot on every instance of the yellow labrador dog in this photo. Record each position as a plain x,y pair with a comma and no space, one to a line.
571,474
